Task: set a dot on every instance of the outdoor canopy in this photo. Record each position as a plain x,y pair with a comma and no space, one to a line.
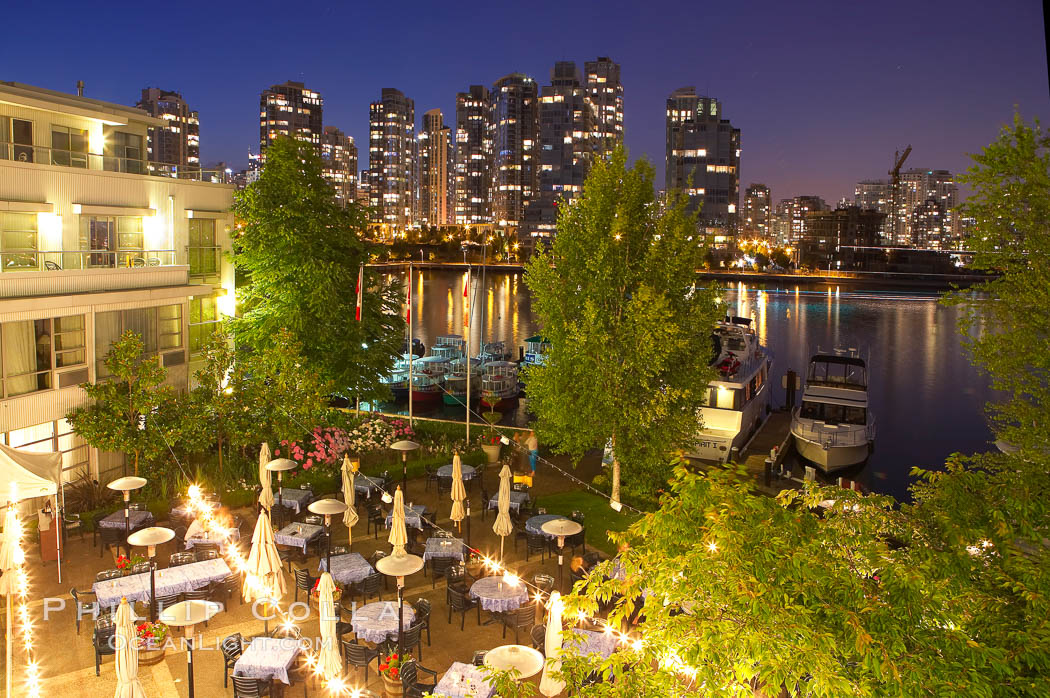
34,474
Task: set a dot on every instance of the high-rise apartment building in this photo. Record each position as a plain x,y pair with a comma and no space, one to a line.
290,109
391,160
364,188
875,195
566,148
918,186
473,157
840,239
757,218
791,217
178,142
435,183
514,133
602,79
339,154
95,244
703,158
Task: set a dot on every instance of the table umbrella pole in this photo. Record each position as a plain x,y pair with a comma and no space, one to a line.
8,633
152,589
328,547
561,563
189,661
400,616
127,523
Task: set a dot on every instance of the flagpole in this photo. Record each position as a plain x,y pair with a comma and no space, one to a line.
470,309
411,352
360,294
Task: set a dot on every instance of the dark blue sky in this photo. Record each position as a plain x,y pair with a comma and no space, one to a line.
823,92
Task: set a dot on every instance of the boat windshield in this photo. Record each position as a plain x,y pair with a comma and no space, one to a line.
833,414
834,370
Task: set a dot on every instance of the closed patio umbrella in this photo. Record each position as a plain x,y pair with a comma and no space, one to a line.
503,526
459,492
266,496
10,559
350,515
398,535
328,662
127,655
264,578
550,686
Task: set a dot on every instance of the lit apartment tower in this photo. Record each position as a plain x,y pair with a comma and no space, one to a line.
339,154
791,217
473,157
704,148
95,244
875,195
364,188
178,142
290,109
566,148
757,216
434,146
391,151
514,131
917,186
606,94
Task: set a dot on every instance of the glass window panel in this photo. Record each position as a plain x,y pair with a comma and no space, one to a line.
107,331
22,137
170,328
27,356
18,241
69,341
39,438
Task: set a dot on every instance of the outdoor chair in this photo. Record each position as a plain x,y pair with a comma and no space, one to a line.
577,540
519,487
431,477
183,558
180,537
140,568
444,486
340,550
83,604
423,609
577,516
108,574
303,581
479,657
227,587
244,687
519,534
376,519
72,522
457,577
197,595
439,567
202,555
410,684
202,549
314,520
372,585
291,554
523,616
96,530
103,639
232,647
485,497
539,638
109,536
162,602
289,632
136,506
544,582
413,637
51,266
459,601
357,656
576,576
535,543
373,559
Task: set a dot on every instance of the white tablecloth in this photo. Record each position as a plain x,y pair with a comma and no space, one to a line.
266,658
294,499
298,534
173,580
516,500
195,534
377,621
590,642
468,472
348,568
413,516
464,681
443,547
367,484
497,595
535,524
135,517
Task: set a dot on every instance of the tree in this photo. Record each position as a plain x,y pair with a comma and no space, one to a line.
122,416
616,296
301,253
217,412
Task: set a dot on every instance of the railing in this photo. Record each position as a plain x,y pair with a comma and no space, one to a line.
43,155
55,260
204,261
830,435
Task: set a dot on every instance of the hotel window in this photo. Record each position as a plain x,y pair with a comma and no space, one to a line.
18,241
159,329
26,352
125,151
69,341
112,240
203,253
69,146
204,322
16,139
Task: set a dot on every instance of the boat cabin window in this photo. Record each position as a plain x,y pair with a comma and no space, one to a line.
833,414
724,398
837,373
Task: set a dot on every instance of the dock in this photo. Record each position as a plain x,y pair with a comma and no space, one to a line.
773,435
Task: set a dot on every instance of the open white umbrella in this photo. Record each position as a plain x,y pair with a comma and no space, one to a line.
264,578
127,655
550,686
459,492
503,526
350,515
266,496
328,663
398,535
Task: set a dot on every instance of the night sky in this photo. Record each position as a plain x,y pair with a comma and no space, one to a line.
824,92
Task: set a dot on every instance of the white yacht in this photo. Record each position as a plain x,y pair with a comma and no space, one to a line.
738,398
833,427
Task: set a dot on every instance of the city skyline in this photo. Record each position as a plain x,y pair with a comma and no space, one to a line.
810,125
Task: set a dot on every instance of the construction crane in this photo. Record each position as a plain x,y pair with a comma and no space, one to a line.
895,193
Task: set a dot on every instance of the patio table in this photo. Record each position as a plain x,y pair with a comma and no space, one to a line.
377,621
267,658
591,642
443,547
413,516
297,535
535,524
516,500
172,580
367,484
294,499
498,596
349,568
468,472
135,517
464,681
196,534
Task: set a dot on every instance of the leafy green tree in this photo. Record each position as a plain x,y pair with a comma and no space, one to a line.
123,414
616,295
217,414
301,252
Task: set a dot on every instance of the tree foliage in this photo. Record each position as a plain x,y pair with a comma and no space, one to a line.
301,252
616,296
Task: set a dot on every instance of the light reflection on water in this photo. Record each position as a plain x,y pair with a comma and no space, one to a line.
927,398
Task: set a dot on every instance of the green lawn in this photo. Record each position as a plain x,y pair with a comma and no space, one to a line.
598,516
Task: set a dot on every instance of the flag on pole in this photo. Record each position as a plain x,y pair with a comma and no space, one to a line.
360,289
466,299
408,308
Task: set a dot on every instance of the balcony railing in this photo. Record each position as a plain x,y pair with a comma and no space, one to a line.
204,260
55,260
43,155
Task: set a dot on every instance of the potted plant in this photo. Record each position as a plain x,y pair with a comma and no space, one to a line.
151,636
124,563
490,443
390,669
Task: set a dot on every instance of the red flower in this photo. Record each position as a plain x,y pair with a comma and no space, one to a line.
393,673
383,667
393,656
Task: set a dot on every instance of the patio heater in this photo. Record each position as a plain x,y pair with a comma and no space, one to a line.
328,508
150,538
280,466
126,485
186,614
404,447
400,566
562,528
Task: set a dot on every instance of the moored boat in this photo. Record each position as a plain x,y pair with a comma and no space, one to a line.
499,383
